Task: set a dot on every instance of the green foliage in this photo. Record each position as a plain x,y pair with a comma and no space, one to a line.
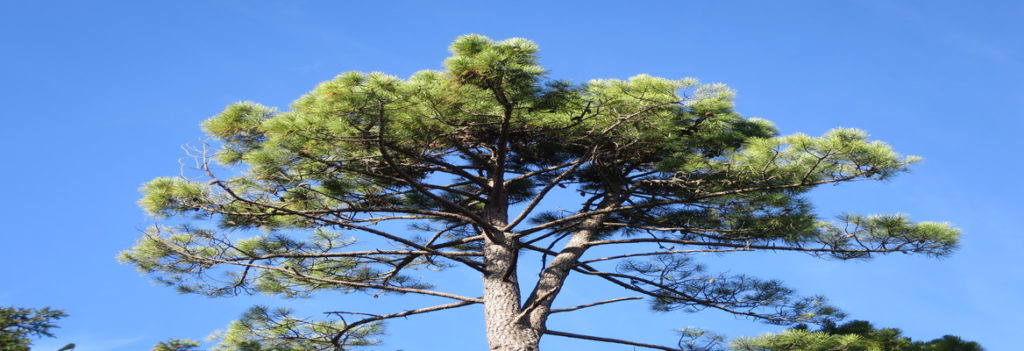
240,127
176,253
264,329
18,326
452,155
936,239
801,340
693,339
176,345
851,336
166,196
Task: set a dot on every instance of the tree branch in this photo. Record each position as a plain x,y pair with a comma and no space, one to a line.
349,326
540,195
654,253
560,310
582,215
604,339
307,277
426,192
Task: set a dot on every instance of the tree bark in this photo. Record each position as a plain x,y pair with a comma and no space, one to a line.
552,279
505,331
502,298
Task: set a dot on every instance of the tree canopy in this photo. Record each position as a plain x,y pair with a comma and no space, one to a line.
370,177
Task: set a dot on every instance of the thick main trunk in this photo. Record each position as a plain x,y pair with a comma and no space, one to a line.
505,331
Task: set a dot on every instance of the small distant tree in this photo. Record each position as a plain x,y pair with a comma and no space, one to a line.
176,345
369,177
854,335
18,326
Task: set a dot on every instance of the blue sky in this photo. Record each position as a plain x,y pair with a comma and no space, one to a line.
101,94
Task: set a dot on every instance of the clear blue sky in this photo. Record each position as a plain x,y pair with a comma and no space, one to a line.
100,94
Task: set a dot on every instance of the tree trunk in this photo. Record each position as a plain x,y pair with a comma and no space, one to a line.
502,299
505,331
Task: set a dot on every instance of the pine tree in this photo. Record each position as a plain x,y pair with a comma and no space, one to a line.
853,336
176,345
470,159
19,325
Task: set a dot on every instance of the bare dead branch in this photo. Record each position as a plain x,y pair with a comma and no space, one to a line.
560,310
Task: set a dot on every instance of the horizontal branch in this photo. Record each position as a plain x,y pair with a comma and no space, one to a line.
298,274
719,305
349,326
655,253
604,339
742,246
360,254
539,171
582,215
614,278
570,309
386,235
470,263
677,229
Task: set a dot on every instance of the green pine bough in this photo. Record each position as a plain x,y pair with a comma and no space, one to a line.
19,325
851,336
369,178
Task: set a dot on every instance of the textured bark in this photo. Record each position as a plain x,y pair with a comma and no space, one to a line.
502,298
505,331
553,277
